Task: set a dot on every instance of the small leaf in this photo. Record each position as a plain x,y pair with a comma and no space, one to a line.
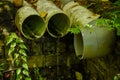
27,78
24,65
1,3
13,44
22,46
13,35
9,40
116,78
22,52
19,40
40,77
24,58
25,72
1,64
74,30
11,49
1,69
17,62
116,22
18,71
19,77
1,74
16,55
43,14
118,31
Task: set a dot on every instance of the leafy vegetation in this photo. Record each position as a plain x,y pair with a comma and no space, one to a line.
37,73
1,69
111,20
117,3
116,78
74,29
17,56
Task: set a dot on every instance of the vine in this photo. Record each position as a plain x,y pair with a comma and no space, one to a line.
18,57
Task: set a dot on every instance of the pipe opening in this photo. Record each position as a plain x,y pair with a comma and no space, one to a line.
58,25
33,27
79,45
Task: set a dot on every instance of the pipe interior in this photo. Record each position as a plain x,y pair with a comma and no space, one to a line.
58,24
78,45
33,26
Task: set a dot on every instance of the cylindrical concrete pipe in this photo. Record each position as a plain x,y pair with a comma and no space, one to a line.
57,21
79,14
29,22
90,42
95,43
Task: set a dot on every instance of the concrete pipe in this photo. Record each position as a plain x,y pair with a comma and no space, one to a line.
95,43
57,21
79,14
87,43
30,24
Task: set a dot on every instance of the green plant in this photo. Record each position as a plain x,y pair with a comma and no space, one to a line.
104,22
74,29
115,78
112,20
17,56
37,73
1,69
117,3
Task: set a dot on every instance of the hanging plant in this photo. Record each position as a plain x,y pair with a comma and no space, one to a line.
17,56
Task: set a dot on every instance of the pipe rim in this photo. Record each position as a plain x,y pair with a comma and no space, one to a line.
39,28
62,23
